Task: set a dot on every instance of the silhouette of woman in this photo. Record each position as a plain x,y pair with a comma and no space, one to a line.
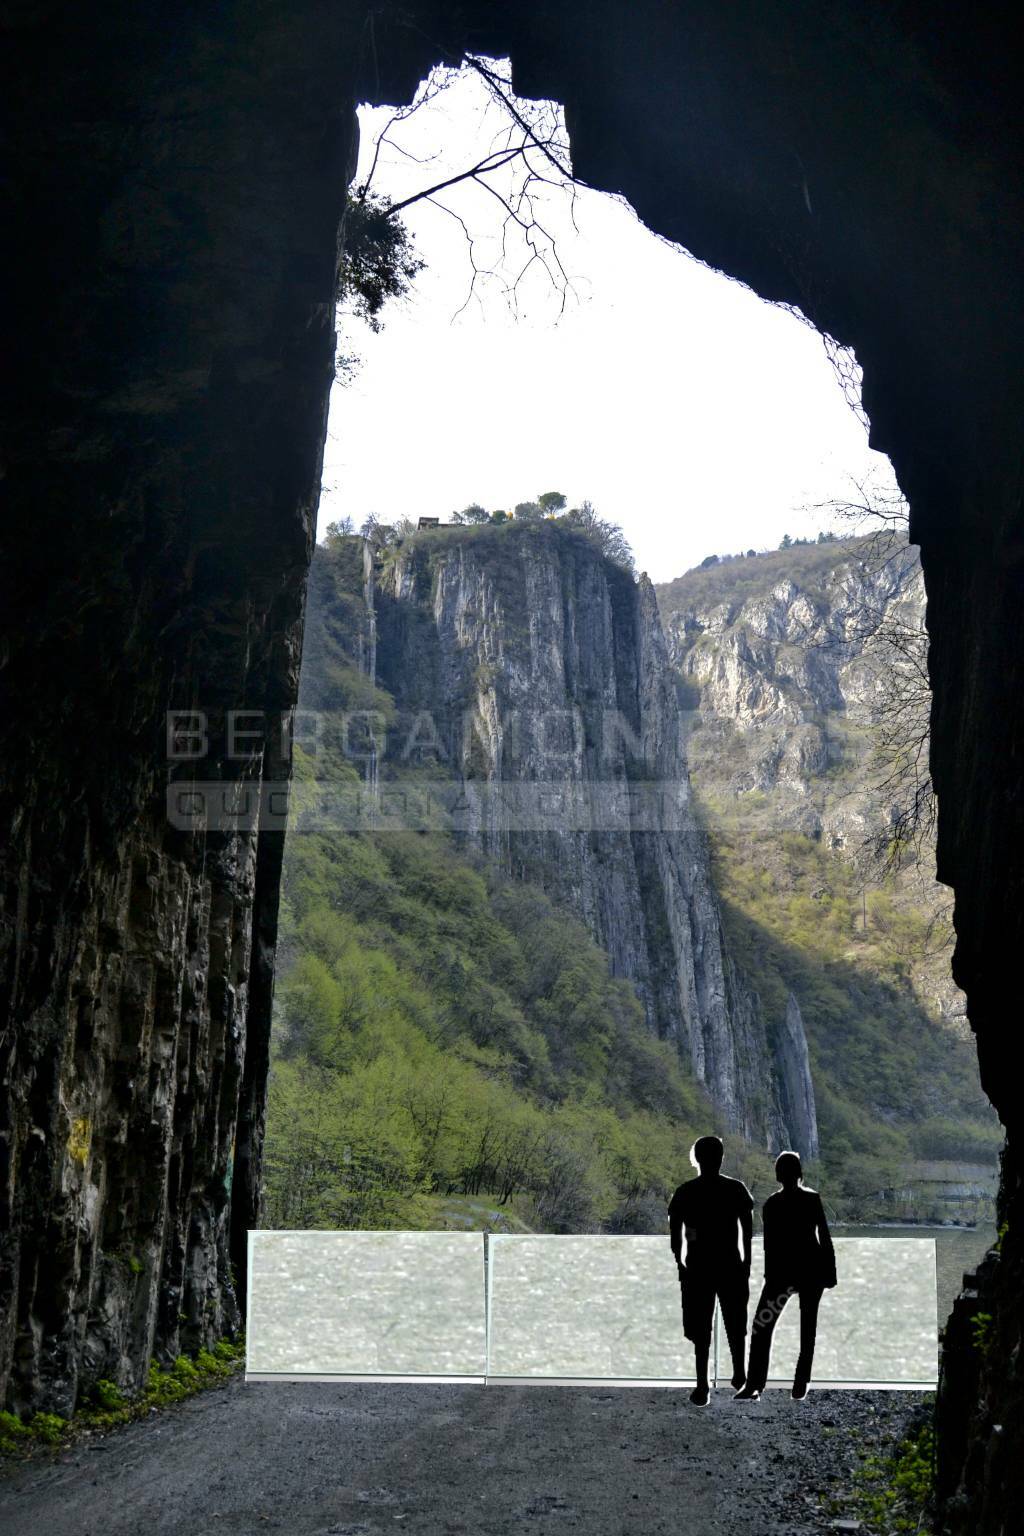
799,1260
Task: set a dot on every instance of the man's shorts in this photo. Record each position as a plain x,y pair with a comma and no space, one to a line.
699,1293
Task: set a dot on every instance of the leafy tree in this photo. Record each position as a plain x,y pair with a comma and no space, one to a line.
472,514
708,561
528,512
500,516
378,262
341,528
551,503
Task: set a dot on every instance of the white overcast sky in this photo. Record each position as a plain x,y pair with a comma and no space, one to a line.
698,417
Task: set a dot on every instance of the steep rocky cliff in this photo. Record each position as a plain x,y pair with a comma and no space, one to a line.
804,675
794,659
534,672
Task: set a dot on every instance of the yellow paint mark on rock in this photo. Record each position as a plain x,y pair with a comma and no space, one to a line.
79,1140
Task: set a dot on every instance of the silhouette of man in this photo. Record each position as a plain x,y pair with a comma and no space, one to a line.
714,1214
799,1260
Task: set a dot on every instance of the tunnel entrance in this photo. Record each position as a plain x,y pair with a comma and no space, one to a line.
172,384
766,682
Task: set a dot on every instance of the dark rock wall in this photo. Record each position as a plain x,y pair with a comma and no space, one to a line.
171,208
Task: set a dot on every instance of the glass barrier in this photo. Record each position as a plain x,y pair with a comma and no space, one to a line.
356,1304
459,1306
585,1309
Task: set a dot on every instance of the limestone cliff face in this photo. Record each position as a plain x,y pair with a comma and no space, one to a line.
797,1085
790,658
780,664
543,670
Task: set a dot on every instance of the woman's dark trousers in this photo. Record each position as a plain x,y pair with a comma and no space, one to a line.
769,1310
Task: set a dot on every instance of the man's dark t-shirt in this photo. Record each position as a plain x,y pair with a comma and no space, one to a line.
708,1210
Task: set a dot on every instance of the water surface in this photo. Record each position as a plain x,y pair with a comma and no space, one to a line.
957,1249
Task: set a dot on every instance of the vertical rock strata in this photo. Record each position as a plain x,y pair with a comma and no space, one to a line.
543,670
797,1087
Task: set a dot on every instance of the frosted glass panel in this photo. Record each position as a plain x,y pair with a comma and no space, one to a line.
426,1305
878,1325
366,1304
585,1308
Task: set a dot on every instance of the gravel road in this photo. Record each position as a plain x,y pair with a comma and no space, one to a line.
359,1460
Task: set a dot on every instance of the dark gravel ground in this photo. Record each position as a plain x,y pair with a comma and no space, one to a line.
358,1460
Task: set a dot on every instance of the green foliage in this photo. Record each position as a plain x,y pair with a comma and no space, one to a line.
107,1405
108,1395
16,1437
607,537
736,579
548,509
893,1495
378,262
963,1139
547,504
441,1030
13,1434
981,1332
342,528
891,1083
48,1427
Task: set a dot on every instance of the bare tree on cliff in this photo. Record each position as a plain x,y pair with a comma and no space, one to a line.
897,642
608,537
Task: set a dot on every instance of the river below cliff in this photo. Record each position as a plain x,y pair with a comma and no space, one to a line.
957,1249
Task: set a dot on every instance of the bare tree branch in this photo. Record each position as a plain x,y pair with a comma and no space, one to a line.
532,147
470,247
475,173
501,89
